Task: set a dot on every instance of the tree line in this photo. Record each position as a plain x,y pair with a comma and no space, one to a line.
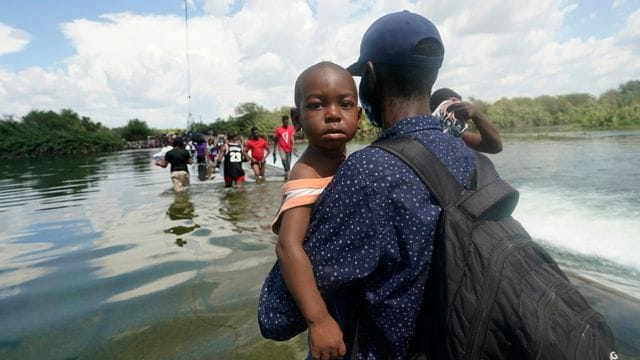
41,133
614,109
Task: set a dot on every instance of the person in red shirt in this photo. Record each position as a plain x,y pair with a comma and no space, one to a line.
259,149
283,142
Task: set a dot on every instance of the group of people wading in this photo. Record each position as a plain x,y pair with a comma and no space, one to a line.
231,153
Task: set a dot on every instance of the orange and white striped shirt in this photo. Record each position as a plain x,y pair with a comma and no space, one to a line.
297,193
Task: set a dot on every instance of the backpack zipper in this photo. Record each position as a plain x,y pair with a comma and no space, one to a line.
551,297
578,337
482,319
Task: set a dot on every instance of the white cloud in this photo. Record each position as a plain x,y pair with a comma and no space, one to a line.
629,36
217,7
519,52
12,40
618,3
129,65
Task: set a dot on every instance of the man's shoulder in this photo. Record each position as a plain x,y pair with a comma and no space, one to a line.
367,164
177,152
372,163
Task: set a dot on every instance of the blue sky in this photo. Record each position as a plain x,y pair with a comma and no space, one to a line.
42,19
116,60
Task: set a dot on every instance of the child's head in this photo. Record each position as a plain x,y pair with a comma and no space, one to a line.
327,105
441,95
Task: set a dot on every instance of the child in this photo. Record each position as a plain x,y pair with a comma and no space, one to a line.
447,105
327,110
233,154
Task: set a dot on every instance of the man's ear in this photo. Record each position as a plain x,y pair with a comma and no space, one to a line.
359,117
369,75
294,114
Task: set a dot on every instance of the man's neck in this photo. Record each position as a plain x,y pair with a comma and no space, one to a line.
395,109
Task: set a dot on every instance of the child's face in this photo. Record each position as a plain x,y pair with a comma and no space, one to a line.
329,113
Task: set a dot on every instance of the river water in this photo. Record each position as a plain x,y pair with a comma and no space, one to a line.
99,258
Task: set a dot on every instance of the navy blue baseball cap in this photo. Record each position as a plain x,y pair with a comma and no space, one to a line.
392,39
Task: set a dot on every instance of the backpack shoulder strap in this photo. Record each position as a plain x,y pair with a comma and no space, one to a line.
492,198
427,166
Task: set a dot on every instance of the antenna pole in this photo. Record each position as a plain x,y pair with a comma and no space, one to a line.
186,26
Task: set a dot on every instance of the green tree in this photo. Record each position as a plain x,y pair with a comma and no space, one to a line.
136,130
50,133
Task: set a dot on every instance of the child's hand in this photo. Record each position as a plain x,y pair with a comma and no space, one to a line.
326,339
464,110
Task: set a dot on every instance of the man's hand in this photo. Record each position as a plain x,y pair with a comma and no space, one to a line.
326,340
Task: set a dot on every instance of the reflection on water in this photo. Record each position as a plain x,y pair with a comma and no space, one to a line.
57,182
99,258
205,172
181,209
233,205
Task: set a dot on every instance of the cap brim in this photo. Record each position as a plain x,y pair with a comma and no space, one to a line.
356,69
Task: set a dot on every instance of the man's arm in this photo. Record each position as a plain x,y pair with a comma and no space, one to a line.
275,146
293,142
221,153
246,155
164,162
266,149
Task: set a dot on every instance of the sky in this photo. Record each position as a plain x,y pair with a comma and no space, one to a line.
118,60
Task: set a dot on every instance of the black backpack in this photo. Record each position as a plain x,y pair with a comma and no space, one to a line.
492,292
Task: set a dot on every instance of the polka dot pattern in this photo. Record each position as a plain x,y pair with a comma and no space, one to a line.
372,234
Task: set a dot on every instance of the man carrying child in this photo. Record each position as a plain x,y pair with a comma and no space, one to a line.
371,235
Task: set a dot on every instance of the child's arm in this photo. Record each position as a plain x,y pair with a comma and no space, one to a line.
324,333
487,139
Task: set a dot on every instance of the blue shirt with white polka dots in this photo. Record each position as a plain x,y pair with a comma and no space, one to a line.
370,242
